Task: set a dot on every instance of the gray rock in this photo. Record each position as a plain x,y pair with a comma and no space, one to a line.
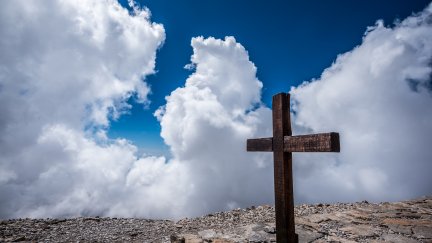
307,235
401,229
423,232
397,238
207,234
360,230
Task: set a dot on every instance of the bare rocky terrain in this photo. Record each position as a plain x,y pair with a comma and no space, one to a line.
407,221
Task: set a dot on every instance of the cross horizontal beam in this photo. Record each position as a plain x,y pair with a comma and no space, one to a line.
321,142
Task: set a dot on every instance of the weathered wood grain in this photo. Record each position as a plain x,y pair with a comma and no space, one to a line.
259,145
283,181
323,142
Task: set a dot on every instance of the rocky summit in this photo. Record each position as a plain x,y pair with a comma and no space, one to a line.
407,221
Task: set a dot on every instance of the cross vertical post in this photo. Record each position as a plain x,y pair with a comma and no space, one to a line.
283,181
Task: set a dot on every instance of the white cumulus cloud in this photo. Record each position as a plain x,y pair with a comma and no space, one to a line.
66,69
206,124
379,97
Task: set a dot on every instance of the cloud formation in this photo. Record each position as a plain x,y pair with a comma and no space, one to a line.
66,69
378,96
65,74
206,124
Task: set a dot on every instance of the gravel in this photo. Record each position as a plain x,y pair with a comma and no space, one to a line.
408,221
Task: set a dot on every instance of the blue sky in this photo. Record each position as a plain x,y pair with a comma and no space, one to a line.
289,42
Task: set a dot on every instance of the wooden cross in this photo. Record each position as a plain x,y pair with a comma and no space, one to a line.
283,144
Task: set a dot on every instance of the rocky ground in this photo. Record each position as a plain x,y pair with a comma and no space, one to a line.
408,221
